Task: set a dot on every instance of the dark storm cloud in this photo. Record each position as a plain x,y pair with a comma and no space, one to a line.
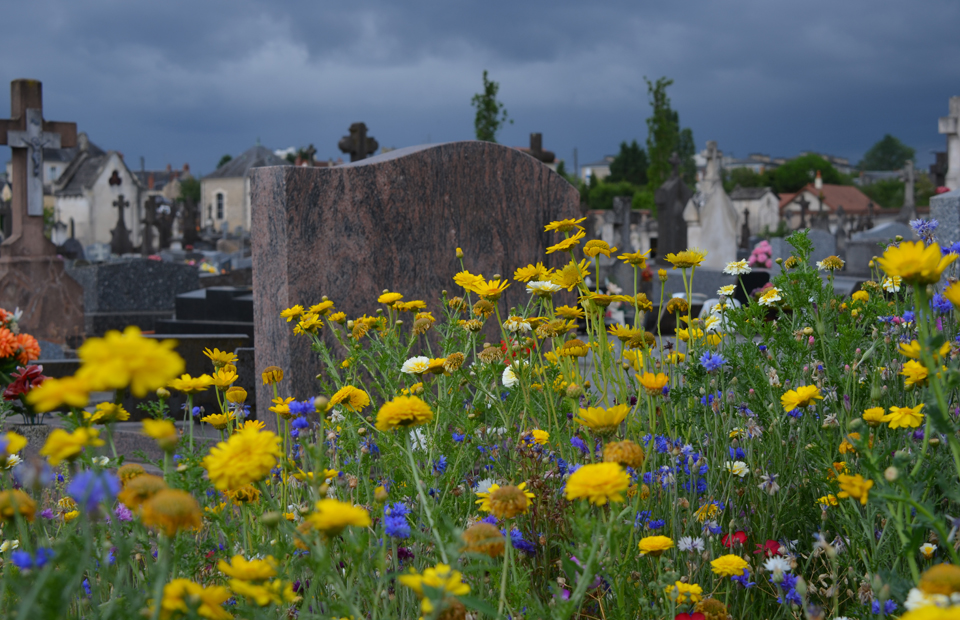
188,81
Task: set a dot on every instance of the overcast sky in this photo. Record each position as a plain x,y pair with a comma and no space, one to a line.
185,81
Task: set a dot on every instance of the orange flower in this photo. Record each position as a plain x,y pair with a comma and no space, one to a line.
29,348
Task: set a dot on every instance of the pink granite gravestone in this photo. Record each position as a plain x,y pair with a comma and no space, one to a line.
392,222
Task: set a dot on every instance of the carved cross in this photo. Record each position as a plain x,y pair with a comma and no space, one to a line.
120,237
28,134
804,205
675,162
358,144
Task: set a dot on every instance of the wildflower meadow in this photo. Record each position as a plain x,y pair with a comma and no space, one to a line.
793,457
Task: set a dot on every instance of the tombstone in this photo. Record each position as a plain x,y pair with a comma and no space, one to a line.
671,199
6,217
392,221
804,206
190,221
149,221
945,208
165,217
71,249
97,252
132,291
864,245
950,125
536,149
718,216
909,210
745,231
358,144
32,277
120,243
824,244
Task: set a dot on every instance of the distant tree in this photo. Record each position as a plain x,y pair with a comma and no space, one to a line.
664,137
796,173
629,165
686,149
744,177
290,157
887,193
602,194
887,154
190,189
643,199
570,177
225,159
491,115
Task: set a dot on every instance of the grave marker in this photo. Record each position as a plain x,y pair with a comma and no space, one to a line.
31,276
120,243
950,126
358,144
392,222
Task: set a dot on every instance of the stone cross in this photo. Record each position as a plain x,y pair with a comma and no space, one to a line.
908,211
950,125
358,144
27,134
745,230
536,149
149,220
804,205
120,237
711,176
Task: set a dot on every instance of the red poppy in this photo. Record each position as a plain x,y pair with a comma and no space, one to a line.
736,538
769,548
646,275
27,379
694,616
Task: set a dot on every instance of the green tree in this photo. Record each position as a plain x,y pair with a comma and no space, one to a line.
190,188
744,177
602,194
629,165
664,137
887,193
491,115
887,154
569,176
796,173
225,159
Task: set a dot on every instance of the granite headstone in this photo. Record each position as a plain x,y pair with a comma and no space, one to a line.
392,222
945,208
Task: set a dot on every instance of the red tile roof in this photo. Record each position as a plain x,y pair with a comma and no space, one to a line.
853,200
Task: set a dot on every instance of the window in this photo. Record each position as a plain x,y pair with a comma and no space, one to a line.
219,206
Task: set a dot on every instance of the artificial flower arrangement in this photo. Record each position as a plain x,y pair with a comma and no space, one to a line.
805,466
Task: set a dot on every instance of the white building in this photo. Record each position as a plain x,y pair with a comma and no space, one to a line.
85,193
761,205
225,192
599,169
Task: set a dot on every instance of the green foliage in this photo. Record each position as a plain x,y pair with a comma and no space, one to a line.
224,160
629,165
571,177
491,114
887,193
743,177
796,173
888,153
923,189
190,189
602,194
664,137
643,199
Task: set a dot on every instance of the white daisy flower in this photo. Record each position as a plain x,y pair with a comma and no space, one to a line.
12,461
517,324
509,377
737,268
416,365
727,291
891,284
778,564
737,468
770,297
688,543
542,287
7,545
927,550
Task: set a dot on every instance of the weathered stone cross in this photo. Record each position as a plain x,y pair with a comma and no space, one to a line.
358,144
28,134
950,125
120,237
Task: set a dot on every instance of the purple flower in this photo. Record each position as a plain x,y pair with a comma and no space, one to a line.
90,488
22,560
123,513
712,362
47,513
579,445
395,520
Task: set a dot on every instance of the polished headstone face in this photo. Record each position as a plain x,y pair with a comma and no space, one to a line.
393,222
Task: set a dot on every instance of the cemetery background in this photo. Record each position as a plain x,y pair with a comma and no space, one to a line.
303,230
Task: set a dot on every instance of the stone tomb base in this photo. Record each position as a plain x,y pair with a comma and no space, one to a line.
51,301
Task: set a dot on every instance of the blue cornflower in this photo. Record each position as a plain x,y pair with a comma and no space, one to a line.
520,543
579,445
641,519
90,488
940,304
440,465
86,587
45,554
909,316
795,413
954,248
737,454
744,579
924,228
656,524
490,519
299,423
395,520
762,348
712,361
458,437
22,560
562,466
